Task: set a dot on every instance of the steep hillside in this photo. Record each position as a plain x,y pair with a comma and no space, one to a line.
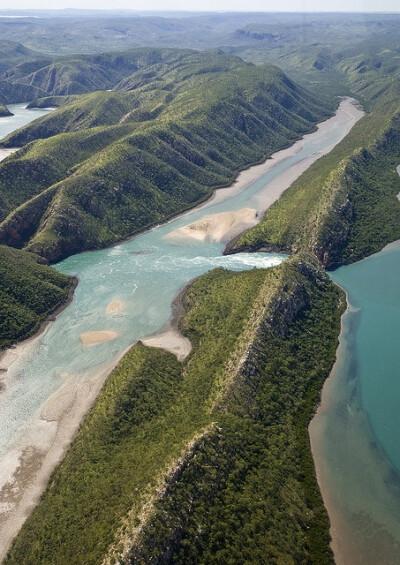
29,291
345,207
44,76
130,159
218,463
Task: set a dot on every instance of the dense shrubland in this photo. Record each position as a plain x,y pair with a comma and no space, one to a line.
29,291
246,486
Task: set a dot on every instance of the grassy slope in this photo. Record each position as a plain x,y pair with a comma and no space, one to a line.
29,292
254,435
345,207
189,126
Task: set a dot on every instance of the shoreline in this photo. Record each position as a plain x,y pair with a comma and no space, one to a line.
340,538
245,177
60,418
62,413
347,541
18,347
169,337
275,188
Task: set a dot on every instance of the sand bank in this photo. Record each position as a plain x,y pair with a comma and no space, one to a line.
172,341
217,227
114,307
169,337
90,338
348,113
227,225
26,469
362,501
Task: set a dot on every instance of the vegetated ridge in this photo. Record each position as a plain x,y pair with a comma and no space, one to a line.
345,206
171,133
226,430
29,292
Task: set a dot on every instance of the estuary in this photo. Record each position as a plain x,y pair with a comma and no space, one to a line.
124,294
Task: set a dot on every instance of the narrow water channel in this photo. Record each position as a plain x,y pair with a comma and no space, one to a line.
126,292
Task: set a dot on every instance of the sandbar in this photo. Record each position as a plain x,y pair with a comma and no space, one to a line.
100,336
172,341
26,469
207,229
114,307
217,227
348,113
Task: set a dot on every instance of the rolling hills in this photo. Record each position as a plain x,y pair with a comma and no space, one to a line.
168,134
345,207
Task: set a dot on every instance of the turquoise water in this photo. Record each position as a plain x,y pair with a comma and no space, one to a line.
360,449
359,423
144,274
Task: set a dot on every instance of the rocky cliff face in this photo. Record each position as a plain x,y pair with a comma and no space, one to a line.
302,274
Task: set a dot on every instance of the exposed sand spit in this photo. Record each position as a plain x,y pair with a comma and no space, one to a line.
114,307
218,227
25,470
170,340
90,338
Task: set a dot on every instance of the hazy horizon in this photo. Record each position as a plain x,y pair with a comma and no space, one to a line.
276,6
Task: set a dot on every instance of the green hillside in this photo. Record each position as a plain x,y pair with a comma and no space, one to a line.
132,158
345,206
29,292
216,463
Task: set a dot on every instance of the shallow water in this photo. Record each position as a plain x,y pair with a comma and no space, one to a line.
144,274
357,430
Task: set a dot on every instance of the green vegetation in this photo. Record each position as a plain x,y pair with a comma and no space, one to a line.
181,125
345,206
29,292
245,489
52,101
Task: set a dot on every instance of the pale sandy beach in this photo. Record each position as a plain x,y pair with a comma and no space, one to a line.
170,340
344,551
25,471
100,336
217,227
373,541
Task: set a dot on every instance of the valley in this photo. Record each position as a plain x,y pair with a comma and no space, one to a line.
203,456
